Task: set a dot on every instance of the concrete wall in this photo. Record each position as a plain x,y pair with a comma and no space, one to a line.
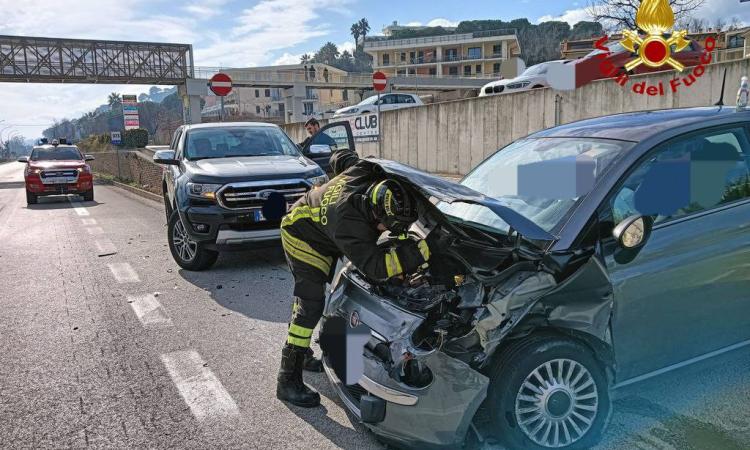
453,137
133,168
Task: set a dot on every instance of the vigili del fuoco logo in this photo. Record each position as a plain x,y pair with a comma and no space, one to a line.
655,49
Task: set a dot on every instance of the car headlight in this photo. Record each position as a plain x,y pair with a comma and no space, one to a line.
520,85
204,191
319,180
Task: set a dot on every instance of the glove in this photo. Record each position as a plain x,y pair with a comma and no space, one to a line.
424,249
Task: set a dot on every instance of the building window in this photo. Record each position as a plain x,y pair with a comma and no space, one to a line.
386,59
420,57
475,53
479,69
257,109
403,56
467,70
345,95
451,54
433,71
268,92
308,109
257,93
401,72
736,41
496,68
497,50
412,57
453,70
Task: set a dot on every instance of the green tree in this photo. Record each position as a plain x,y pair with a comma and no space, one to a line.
328,54
356,31
114,99
364,28
305,59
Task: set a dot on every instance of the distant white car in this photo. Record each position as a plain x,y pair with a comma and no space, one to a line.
387,102
534,77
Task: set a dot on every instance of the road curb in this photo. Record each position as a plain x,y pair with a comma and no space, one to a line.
134,190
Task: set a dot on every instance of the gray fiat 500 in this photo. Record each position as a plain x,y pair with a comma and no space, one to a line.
575,261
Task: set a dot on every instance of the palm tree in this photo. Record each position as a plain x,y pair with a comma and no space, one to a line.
364,28
113,99
356,31
305,59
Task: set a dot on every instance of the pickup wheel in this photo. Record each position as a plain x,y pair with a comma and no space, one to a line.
31,199
88,196
548,392
187,253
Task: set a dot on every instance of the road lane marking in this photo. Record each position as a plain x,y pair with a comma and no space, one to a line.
95,230
79,209
88,222
148,310
199,387
105,247
123,273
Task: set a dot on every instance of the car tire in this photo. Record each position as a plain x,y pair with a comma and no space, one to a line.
188,254
31,199
568,410
88,196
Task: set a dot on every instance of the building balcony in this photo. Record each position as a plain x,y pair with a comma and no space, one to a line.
444,59
385,43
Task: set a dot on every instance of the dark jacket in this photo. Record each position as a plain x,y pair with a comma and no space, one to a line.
336,219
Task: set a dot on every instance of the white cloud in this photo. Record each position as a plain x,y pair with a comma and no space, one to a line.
347,46
572,16
205,9
440,22
288,58
724,9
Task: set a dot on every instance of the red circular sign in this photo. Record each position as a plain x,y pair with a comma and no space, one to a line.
379,81
220,84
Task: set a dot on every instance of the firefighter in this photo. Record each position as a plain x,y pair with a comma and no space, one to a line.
344,217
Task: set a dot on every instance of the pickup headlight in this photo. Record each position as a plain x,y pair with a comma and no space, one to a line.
319,180
203,191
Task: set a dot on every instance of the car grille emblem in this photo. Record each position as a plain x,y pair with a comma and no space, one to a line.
265,194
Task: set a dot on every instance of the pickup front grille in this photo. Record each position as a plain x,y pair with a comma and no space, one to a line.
249,195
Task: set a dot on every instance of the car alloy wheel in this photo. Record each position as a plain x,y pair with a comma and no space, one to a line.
557,403
186,247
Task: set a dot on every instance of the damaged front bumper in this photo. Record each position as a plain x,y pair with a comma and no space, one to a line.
434,415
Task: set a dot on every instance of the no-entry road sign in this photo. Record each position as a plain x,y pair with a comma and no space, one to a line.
379,81
220,84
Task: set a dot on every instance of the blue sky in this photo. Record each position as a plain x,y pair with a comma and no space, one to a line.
238,33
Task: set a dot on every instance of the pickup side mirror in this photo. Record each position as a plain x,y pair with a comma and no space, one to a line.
23,159
633,232
89,157
166,157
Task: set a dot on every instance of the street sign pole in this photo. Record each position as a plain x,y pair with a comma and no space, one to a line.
380,141
221,113
379,83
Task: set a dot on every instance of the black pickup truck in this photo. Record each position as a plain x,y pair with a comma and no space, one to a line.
218,178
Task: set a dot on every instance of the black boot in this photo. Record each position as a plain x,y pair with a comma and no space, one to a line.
290,387
312,364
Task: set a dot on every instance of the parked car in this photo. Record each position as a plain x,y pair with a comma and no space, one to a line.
387,102
535,77
616,253
57,169
222,180
589,67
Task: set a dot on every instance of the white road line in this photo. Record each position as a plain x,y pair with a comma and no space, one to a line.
95,230
199,387
79,209
149,311
88,222
105,247
123,273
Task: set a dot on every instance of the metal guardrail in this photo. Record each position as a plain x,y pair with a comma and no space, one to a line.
449,59
446,38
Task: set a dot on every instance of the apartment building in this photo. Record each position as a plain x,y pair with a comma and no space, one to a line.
488,54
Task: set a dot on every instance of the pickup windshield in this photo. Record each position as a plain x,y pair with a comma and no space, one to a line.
237,141
56,154
541,179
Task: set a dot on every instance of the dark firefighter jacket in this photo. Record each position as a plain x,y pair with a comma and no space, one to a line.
336,219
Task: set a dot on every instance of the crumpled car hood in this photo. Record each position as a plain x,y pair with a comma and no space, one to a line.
443,190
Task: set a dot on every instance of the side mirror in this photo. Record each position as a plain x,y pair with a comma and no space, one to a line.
319,149
165,157
89,157
633,232
23,159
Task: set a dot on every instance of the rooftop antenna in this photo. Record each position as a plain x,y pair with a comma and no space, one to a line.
723,84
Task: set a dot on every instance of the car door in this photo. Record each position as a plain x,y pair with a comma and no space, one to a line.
687,292
172,171
388,102
334,137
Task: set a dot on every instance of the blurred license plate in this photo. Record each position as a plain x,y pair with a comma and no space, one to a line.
57,180
258,215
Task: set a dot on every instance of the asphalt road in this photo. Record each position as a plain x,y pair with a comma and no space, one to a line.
106,342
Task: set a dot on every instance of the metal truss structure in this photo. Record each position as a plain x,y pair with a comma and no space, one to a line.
50,60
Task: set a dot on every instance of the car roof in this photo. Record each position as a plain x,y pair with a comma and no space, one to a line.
199,126
639,126
54,147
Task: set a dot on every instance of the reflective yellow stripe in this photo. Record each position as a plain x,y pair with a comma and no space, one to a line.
300,331
301,251
299,342
392,264
424,249
374,197
301,212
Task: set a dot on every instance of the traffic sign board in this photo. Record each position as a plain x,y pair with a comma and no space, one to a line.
220,84
379,81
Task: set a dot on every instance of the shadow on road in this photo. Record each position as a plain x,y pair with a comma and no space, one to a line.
61,202
12,185
255,283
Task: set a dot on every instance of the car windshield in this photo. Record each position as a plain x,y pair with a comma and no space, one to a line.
55,154
369,100
541,179
539,69
237,141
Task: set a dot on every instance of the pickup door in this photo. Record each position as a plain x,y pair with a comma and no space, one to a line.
334,137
